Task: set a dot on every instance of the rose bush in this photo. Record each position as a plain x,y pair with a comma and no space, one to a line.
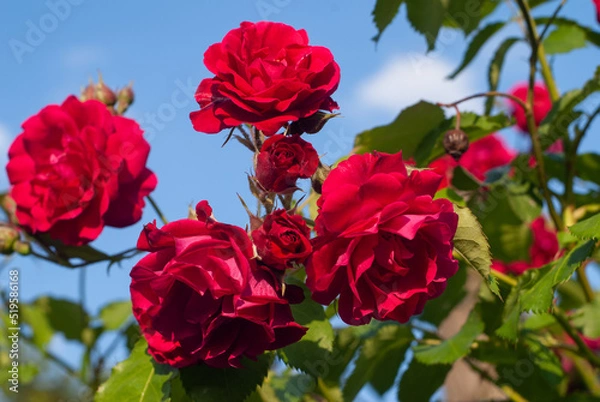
199,296
76,168
266,74
383,244
283,160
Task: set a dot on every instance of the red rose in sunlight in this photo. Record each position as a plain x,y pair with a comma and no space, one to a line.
282,239
267,75
200,297
383,244
76,168
283,160
482,156
544,249
541,104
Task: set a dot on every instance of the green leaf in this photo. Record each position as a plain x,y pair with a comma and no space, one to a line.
139,378
480,38
347,342
64,316
556,124
463,180
437,310
495,69
472,245
591,35
207,384
314,349
431,147
587,229
379,360
421,381
426,17
39,323
565,39
383,15
454,348
588,319
538,298
115,314
587,166
464,14
511,315
405,133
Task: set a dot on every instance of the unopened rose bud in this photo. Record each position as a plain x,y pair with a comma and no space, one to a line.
319,177
311,124
456,143
104,94
125,98
22,247
8,237
89,92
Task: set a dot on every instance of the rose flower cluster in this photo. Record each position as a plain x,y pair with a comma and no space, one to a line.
214,293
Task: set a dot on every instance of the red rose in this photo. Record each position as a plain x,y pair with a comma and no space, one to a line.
543,250
283,160
200,297
597,4
282,239
76,168
482,156
267,75
541,104
383,244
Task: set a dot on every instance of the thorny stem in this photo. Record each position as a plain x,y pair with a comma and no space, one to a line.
485,94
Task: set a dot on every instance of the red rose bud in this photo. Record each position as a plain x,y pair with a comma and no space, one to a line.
319,177
544,249
104,94
22,247
482,156
312,124
283,160
456,143
542,103
383,244
76,168
125,98
282,240
294,81
8,238
200,296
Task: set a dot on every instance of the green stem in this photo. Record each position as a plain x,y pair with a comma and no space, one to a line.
586,372
536,49
585,283
510,392
504,278
157,210
486,94
563,320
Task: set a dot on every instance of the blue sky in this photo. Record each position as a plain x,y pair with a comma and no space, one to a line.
160,46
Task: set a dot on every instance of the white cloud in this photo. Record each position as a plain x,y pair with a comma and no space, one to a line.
405,80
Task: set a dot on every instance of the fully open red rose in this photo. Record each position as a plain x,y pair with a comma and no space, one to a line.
200,297
383,244
544,249
76,168
282,239
482,156
266,74
283,160
542,103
